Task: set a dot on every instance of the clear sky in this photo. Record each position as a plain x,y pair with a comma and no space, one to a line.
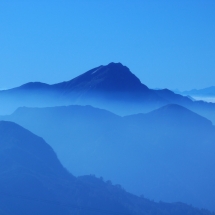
166,43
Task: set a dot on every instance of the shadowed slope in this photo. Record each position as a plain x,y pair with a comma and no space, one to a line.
29,170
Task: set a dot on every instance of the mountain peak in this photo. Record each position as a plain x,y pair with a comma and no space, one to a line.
113,77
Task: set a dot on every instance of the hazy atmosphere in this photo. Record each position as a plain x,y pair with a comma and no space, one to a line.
107,107
167,44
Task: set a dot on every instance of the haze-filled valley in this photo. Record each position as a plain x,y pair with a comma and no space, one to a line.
105,122
32,181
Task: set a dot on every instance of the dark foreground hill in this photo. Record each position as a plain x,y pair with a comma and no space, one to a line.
112,87
32,181
167,154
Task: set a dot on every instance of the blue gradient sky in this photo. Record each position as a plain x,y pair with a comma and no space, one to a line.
167,44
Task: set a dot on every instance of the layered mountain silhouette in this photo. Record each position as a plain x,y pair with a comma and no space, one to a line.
34,182
167,154
112,87
164,149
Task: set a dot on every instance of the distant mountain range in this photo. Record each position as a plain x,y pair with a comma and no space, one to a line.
206,94
167,154
112,87
34,182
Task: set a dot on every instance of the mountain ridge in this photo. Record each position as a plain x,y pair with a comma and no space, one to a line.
112,87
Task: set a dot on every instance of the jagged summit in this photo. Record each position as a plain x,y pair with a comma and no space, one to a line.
112,77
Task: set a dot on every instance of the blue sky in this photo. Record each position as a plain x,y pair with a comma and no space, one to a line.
167,44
